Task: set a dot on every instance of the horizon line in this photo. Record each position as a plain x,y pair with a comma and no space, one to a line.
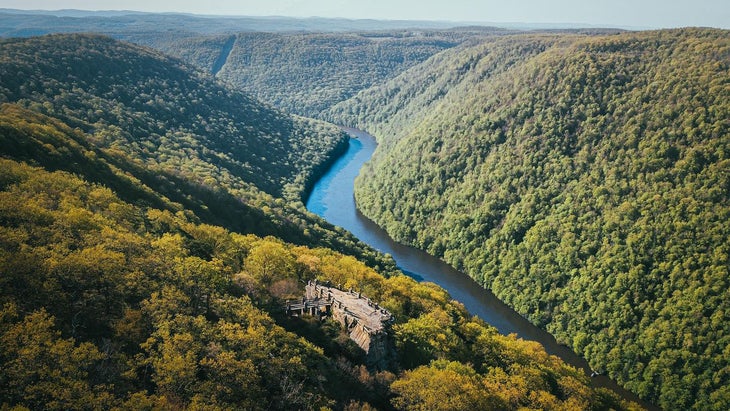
457,23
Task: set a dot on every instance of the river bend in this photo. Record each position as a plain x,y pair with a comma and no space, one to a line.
332,198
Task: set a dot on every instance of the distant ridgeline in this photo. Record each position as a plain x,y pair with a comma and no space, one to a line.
585,180
124,23
307,73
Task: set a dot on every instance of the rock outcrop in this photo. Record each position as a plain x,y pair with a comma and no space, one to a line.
367,323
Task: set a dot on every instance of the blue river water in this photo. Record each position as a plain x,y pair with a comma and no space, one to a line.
332,198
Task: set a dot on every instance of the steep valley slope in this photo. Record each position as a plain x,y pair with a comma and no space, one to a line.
307,73
229,158
585,180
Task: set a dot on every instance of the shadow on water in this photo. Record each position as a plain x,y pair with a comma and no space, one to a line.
411,274
333,199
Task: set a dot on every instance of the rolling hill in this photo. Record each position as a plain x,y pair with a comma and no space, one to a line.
306,73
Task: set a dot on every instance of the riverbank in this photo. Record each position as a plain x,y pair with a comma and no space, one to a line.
323,168
333,199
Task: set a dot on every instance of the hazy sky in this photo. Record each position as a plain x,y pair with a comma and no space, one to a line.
639,13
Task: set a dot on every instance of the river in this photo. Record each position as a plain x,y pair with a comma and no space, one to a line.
332,198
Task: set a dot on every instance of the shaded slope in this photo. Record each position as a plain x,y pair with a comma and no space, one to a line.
223,56
218,153
584,181
97,83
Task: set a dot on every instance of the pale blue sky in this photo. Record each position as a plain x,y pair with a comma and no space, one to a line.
638,13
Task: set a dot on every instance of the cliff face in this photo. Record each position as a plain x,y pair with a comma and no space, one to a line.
365,321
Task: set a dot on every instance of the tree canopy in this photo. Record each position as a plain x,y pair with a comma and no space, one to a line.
159,132
307,73
584,180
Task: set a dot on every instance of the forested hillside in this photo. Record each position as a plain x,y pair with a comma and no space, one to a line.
306,73
115,293
153,104
583,179
107,305
181,135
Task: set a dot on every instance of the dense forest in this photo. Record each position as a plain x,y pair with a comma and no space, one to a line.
159,108
139,119
136,269
585,180
108,305
306,73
